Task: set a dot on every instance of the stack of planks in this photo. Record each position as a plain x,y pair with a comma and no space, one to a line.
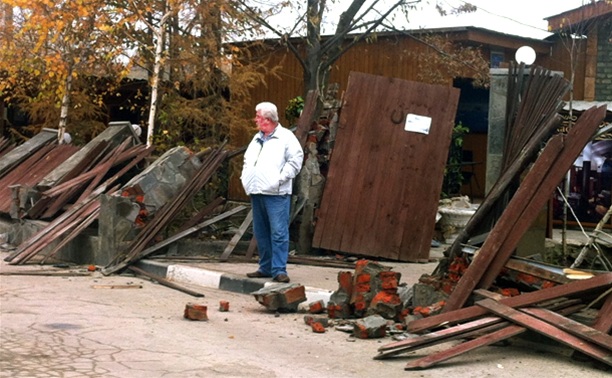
489,321
77,216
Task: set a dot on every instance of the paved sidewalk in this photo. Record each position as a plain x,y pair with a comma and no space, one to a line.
320,282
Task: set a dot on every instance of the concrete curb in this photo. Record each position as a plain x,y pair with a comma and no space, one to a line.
190,275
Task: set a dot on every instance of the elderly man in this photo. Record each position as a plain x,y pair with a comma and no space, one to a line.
272,159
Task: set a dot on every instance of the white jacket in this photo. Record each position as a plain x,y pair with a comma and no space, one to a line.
270,165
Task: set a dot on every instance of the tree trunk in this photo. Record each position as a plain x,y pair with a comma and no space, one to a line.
61,130
159,46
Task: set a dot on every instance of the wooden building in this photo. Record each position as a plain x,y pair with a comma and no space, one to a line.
401,55
590,51
583,39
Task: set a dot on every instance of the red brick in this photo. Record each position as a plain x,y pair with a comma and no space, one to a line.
317,327
389,280
195,312
294,294
281,297
363,278
345,279
223,306
316,307
360,265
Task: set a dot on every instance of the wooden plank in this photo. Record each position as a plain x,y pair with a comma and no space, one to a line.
56,204
354,119
489,294
56,190
603,322
127,286
26,149
31,171
432,359
33,244
578,137
192,221
82,223
252,248
525,267
371,205
575,288
571,326
144,253
163,281
524,207
503,227
473,334
191,230
501,186
468,330
237,236
161,218
108,162
431,338
547,330
309,113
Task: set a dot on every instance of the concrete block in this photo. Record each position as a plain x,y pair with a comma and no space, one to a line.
424,295
370,327
340,310
387,304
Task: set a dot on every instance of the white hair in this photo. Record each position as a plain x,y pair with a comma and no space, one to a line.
267,110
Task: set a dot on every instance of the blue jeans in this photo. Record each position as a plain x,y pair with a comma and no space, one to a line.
271,229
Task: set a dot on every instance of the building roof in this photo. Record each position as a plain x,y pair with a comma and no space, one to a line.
466,33
579,15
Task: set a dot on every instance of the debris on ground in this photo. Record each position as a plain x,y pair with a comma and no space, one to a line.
195,311
281,297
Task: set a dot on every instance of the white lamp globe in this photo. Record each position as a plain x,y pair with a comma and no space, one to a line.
525,54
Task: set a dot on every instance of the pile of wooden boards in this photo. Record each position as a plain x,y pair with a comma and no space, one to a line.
489,321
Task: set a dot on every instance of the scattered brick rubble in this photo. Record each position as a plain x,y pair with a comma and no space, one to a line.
369,303
372,290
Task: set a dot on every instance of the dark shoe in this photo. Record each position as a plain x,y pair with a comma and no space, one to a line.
258,274
282,278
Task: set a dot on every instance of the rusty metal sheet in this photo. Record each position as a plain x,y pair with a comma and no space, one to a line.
384,182
33,169
18,154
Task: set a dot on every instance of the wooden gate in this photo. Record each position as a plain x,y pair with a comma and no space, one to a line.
384,182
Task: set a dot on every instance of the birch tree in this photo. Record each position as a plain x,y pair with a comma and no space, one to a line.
198,84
